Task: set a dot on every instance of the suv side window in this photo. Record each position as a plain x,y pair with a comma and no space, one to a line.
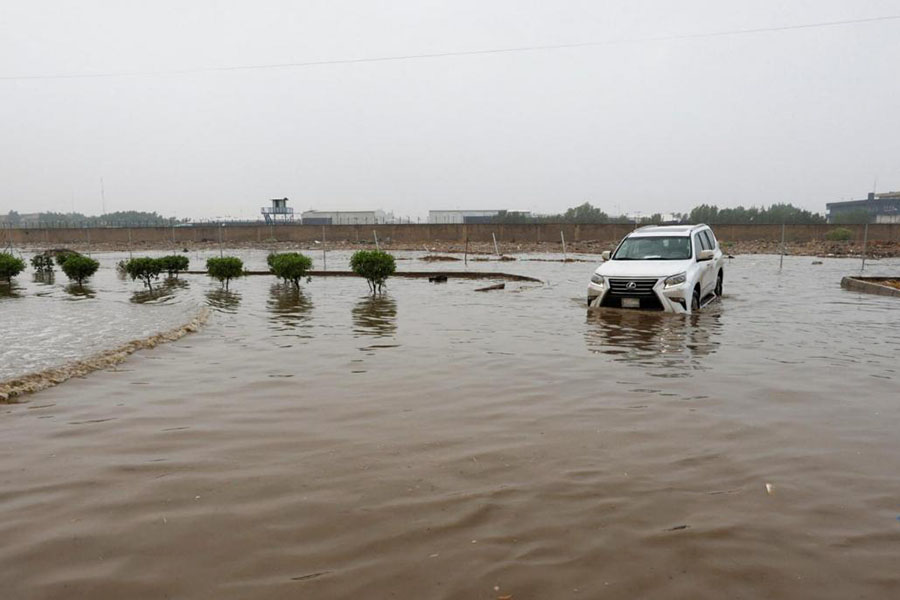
698,245
711,241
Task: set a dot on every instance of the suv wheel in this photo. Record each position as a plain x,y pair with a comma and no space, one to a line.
695,300
719,285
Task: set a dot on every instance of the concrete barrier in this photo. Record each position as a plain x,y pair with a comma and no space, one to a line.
419,234
869,285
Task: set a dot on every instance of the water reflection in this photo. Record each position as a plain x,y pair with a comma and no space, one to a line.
290,308
80,291
223,300
667,345
9,290
44,277
375,316
161,293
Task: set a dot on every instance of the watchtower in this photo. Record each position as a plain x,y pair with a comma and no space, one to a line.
278,212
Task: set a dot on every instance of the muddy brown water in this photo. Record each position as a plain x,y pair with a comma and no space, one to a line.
436,443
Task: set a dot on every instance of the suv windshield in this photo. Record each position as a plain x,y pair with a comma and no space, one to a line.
654,248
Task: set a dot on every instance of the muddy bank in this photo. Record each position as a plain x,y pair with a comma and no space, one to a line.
820,248
11,389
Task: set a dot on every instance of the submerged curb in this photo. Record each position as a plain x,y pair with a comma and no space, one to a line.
406,274
870,285
35,382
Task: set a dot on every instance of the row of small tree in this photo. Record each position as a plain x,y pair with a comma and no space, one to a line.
292,267
77,267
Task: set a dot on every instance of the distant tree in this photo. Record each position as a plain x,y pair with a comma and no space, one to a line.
839,234
375,266
290,266
853,217
42,263
225,269
173,264
585,213
144,268
10,266
79,268
13,218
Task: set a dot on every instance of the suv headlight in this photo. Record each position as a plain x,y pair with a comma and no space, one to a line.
598,279
676,280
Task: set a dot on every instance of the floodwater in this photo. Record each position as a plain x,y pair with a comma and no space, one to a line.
439,443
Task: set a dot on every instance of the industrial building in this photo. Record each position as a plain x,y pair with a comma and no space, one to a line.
880,208
469,216
345,217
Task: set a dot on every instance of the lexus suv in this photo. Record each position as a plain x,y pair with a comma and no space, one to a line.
673,268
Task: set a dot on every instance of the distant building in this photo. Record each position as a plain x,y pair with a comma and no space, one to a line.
278,212
469,216
345,217
881,208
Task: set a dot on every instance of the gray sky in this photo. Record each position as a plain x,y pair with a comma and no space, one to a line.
805,116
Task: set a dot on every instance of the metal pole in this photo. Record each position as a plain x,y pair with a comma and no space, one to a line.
466,255
496,249
781,262
221,252
563,236
377,247
130,254
324,257
865,245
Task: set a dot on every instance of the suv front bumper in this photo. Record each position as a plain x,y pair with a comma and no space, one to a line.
673,299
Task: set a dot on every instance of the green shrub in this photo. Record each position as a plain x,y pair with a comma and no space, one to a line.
376,266
225,269
841,234
10,266
174,264
290,266
63,255
79,268
42,263
145,268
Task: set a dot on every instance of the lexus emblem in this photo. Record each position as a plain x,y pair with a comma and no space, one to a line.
630,285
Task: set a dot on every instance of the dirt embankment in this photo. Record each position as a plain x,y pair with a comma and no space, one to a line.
814,248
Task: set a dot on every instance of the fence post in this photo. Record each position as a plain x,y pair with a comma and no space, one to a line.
374,233
563,236
865,246
781,261
496,248
324,257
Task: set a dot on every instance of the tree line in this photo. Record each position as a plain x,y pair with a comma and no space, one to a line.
74,219
776,214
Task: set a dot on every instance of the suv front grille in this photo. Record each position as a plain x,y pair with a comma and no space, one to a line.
641,288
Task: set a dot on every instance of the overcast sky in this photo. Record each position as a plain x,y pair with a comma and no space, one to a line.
805,116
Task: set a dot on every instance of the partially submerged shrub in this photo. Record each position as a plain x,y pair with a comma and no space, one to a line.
79,268
225,269
145,268
42,263
290,266
174,264
375,265
10,266
840,234
63,255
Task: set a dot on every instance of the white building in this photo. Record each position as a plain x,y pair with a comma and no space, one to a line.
469,216
345,217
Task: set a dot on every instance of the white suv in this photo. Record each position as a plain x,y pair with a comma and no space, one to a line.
675,268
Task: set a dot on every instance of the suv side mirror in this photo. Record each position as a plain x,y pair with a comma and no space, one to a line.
706,255
605,256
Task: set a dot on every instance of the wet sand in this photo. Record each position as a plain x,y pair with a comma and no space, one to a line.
436,443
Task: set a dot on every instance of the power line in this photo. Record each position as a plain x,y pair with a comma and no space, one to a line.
350,61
